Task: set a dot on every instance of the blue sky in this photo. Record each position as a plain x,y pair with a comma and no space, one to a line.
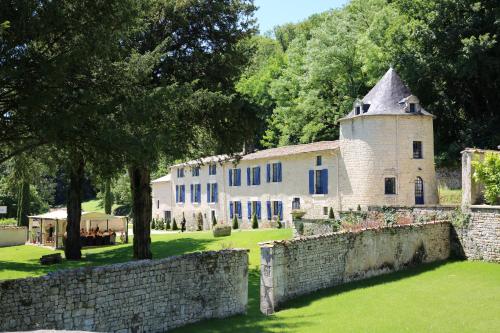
276,12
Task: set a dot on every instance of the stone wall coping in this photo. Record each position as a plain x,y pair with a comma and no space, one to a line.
12,227
485,207
371,208
285,242
477,150
125,265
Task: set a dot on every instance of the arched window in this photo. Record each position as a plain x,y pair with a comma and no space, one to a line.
419,191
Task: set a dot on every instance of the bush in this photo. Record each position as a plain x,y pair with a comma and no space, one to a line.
255,222
235,222
279,224
222,230
174,225
153,224
487,172
331,215
460,219
167,224
390,217
199,221
9,221
214,221
160,224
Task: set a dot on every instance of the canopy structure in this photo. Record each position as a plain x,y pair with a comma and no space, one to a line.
50,228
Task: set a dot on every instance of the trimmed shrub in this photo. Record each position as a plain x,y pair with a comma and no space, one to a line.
331,215
153,224
174,225
222,230
235,223
255,222
161,224
199,221
279,225
167,225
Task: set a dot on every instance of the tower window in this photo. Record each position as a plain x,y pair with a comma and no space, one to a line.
358,110
413,107
417,150
366,107
319,160
390,185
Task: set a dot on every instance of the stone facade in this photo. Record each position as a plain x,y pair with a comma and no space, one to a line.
141,296
479,239
11,235
303,265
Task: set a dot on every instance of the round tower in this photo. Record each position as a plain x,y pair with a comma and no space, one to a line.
387,149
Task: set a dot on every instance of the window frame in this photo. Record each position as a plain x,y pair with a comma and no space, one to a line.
274,172
253,178
195,171
412,107
319,160
295,201
419,153
318,189
212,169
275,208
213,198
234,175
394,185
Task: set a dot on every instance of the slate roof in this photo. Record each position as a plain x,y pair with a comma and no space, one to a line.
385,97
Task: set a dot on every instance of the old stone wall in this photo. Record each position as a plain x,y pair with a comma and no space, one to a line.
479,238
141,296
449,178
303,265
11,235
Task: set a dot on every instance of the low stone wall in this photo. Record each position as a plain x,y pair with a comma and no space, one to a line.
479,239
10,235
303,265
140,296
449,178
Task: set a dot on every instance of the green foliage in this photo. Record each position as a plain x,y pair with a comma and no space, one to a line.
222,230
214,221
160,224
153,224
255,222
460,219
390,216
235,222
174,225
8,221
108,197
199,221
331,215
279,225
449,197
487,172
167,224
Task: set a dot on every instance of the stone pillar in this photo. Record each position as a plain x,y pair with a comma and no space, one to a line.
272,277
471,191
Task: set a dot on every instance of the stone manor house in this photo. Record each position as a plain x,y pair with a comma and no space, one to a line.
384,156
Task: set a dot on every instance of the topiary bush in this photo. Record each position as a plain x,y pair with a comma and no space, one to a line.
174,225
255,222
331,215
160,224
199,221
222,230
279,225
167,225
235,222
153,224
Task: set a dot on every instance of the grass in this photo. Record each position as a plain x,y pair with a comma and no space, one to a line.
8,221
450,197
95,206
441,297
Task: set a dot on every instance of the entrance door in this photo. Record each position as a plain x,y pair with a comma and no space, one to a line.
419,191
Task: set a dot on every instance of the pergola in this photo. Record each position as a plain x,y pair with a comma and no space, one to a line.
39,226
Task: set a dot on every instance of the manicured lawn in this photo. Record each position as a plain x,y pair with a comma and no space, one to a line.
443,297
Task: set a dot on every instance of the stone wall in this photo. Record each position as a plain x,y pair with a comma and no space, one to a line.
11,235
479,239
141,296
303,265
449,178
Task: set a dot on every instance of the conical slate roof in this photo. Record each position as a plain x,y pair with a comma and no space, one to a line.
386,96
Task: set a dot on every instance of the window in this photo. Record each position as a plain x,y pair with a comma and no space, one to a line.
276,176
253,176
296,203
196,193
158,204
180,173
276,208
325,210
318,181
235,209
254,208
417,150
212,194
212,169
413,107
234,177
318,160
180,192
357,110
390,185
366,107
195,171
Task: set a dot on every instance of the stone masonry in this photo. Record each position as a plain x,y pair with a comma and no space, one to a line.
141,296
303,265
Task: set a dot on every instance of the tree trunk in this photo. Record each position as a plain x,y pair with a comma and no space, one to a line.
141,211
72,248
108,197
23,204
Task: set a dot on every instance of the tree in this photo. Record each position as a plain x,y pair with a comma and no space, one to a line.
108,197
255,222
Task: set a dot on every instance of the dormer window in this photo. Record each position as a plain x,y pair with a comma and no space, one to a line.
366,107
357,110
413,107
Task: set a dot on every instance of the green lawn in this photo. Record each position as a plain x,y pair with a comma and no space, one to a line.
443,297
450,197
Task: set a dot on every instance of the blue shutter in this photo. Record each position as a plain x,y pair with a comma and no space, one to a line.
249,181
231,209
214,171
280,210
257,175
216,193
230,177
238,177
208,192
324,181
176,193
198,193
268,173
258,210
249,205
311,181
240,211
183,193
192,193
269,211
279,172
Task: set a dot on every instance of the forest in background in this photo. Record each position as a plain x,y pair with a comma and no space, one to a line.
302,77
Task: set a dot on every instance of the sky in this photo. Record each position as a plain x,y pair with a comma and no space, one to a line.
277,12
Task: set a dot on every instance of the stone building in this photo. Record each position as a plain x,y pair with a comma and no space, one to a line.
384,156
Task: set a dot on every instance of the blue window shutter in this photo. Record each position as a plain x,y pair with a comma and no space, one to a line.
238,177
192,193
183,193
268,173
198,193
324,181
258,210
249,181
208,192
279,172
269,211
311,181
214,171
257,175
216,193
240,211
176,193
280,210
249,205
230,177
231,209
